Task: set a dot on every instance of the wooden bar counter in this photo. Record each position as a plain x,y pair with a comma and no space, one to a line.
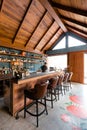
14,95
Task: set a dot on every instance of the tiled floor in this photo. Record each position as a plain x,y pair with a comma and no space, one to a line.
69,113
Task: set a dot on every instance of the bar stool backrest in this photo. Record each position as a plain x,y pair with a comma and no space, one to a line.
40,90
66,75
70,76
53,82
60,80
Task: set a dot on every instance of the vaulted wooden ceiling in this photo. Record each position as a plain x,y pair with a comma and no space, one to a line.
36,25
73,13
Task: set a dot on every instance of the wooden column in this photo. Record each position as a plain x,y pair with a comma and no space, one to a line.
76,65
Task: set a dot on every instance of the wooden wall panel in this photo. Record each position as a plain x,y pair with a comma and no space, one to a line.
76,65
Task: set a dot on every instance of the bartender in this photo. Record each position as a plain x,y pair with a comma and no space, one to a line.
44,67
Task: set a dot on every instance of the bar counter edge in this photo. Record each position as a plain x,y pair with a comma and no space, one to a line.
14,95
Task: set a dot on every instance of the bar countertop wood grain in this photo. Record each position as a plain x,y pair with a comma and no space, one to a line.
37,75
14,95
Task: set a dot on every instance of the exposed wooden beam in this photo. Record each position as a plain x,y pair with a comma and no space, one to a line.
44,34
2,4
77,36
66,50
52,12
74,21
69,49
75,28
27,43
70,9
21,23
50,39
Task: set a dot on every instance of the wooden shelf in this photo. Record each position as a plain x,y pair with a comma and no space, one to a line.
19,55
5,61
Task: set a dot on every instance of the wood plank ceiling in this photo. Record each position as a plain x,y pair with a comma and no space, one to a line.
36,25
73,14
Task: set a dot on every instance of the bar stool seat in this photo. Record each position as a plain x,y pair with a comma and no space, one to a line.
35,94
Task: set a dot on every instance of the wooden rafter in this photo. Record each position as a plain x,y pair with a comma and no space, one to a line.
70,9
73,21
27,43
50,9
78,33
77,36
21,23
2,4
44,34
75,28
49,39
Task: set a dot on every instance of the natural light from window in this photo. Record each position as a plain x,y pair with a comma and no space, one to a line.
60,45
72,43
75,42
60,62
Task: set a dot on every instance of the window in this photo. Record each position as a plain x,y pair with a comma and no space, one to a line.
75,42
60,45
72,42
60,62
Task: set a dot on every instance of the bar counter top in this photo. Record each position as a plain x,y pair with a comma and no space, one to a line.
38,75
14,95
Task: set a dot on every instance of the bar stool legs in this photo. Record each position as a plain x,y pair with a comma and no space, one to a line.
24,106
37,95
37,109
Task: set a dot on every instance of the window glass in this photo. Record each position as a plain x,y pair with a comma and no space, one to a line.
75,42
60,45
58,62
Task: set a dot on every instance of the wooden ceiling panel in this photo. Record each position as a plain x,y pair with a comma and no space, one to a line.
53,40
35,25
63,2
7,26
48,35
27,24
14,9
42,28
82,4
0,3
34,14
73,16
48,41
77,32
54,27
77,28
32,18
75,25
49,8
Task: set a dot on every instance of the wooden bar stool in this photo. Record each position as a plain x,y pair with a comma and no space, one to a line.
59,88
51,90
35,94
69,78
65,81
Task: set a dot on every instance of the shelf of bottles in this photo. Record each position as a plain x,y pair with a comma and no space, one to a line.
17,59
